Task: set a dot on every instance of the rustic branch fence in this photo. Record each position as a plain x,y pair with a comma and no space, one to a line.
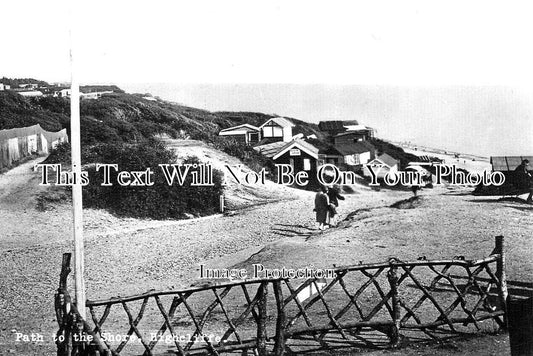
372,305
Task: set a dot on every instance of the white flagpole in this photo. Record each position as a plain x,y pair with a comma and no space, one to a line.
76,169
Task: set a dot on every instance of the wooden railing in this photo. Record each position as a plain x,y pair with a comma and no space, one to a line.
367,305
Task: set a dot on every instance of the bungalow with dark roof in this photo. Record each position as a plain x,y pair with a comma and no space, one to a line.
333,127
346,131
348,156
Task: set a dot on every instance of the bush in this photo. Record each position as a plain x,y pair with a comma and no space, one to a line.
250,157
158,201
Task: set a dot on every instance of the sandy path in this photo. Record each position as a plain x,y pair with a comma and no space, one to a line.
162,257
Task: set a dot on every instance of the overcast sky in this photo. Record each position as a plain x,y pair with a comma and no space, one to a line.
398,64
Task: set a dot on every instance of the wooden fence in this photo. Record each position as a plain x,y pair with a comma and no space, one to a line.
364,306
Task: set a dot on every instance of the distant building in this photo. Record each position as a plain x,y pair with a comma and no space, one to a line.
28,86
63,93
346,131
95,94
31,93
334,127
4,87
245,134
381,165
278,129
348,137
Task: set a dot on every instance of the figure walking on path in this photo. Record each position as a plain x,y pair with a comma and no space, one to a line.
334,197
321,207
523,179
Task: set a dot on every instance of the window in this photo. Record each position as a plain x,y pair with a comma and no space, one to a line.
307,164
295,152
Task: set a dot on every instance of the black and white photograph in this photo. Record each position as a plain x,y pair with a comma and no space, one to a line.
266,178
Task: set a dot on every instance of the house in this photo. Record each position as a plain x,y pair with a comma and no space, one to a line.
63,93
349,156
31,93
301,156
362,133
334,127
277,129
381,165
346,131
245,134
29,86
4,87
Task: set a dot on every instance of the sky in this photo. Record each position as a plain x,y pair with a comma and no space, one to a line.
455,73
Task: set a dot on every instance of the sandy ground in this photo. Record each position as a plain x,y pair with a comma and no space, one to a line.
125,256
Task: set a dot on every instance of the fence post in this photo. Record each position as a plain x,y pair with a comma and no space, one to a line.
221,200
500,273
262,318
393,281
279,346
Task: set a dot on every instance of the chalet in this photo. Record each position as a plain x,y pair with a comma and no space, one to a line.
277,129
386,162
301,156
348,137
334,127
347,131
95,94
245,134
350,156
63,93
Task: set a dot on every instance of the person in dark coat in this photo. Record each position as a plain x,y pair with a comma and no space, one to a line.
334,197
523,178
321,207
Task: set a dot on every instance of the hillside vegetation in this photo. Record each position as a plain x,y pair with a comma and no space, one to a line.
121,117
128,123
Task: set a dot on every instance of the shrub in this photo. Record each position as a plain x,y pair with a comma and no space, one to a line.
158,201
250,157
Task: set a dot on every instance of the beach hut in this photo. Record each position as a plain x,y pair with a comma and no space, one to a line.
277,129
301,156
387,164
245,134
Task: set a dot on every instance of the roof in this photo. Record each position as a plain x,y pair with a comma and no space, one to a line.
270,149
304,146
507,163
240,129
353,148
388,160
350,128
281,121
338,125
